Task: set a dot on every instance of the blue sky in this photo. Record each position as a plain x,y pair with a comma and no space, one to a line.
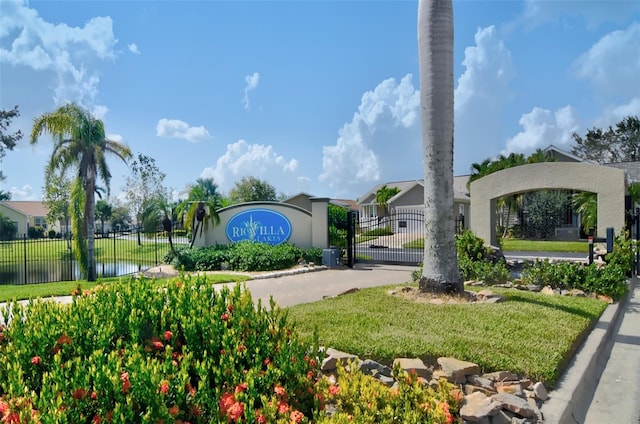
313,96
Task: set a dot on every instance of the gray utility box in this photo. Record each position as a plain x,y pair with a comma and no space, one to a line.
331,257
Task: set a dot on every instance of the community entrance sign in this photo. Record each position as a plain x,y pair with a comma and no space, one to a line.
259,225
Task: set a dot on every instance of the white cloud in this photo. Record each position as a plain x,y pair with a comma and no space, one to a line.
386,127
70,54
23,193
481,96
133,48
245,160
612,65
175,128
114,137
252,82
541,128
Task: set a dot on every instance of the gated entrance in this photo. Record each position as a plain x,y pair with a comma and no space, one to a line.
395,238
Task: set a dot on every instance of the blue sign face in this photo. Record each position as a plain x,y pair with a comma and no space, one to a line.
260,226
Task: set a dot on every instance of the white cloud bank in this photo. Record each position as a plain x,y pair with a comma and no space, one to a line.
382,141
133,48
175,128
242,159
23,193
541,128
252,83
71,54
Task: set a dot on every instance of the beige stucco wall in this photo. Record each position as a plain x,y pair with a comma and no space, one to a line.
609,184
301,224
13,215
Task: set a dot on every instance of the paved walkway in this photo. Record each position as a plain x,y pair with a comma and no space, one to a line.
617,396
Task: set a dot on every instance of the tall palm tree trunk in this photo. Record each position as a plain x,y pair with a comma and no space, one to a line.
90,210
435,47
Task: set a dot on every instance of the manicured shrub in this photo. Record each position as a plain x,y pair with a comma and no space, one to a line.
380,231
242,256
132,353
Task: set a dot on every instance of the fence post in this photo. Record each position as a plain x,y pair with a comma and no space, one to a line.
590,239
24,248
155,242
115,258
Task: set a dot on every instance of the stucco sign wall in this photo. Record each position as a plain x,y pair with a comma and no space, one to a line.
259,225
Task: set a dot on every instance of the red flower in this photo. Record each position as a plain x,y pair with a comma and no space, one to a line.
226,401
230,308
2,337
164,387
64,339
235,411
266,362
242,348
157,344
283,407
79,394
174,410
96,419
334,390
261,419
124,377
168,335
94,395
224,317
296,416
241,387
36,360
312,363
279,390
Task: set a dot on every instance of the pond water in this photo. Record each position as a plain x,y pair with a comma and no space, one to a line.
49,271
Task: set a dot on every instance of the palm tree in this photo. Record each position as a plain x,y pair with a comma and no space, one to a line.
440,271
200,208
383,195
79,141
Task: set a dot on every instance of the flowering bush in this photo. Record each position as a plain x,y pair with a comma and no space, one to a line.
187,353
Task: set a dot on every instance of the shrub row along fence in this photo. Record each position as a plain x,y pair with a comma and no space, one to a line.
32,261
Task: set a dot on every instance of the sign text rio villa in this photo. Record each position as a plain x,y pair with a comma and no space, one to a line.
260,226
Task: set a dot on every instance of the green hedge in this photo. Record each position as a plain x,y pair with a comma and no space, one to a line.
243,256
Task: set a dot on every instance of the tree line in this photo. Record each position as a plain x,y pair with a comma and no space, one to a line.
77,172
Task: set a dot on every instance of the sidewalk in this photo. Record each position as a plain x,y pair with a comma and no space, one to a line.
602,383
617,396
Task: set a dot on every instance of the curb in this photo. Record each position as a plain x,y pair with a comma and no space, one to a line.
569,402
294,271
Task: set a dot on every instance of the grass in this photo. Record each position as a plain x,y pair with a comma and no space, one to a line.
106,249
64,288
530,333
515,245
545,246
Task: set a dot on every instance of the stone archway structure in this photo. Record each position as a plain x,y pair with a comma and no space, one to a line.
610,184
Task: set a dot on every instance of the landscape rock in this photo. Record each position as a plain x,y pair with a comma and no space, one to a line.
477,406
515,404
415,365
540,391
458,369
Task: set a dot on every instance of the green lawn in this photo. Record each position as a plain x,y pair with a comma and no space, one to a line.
530,333
27,291
545,246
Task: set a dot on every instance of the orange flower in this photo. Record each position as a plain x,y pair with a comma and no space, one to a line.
279,390
168,335
79,394
261,419
224,317
283,407
36,360
164,387
226,401
157,344
241,387
235,411
296,416
334,390
174,410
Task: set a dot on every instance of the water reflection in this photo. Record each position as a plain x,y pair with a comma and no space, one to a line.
43,272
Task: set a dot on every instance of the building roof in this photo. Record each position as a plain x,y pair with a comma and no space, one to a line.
27,207
460,190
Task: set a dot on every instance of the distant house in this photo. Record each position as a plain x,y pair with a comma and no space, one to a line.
403,212
303,200
27,214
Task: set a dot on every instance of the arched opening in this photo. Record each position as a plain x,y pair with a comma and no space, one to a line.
609,184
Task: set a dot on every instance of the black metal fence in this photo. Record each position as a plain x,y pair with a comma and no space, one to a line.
117,253
393,239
